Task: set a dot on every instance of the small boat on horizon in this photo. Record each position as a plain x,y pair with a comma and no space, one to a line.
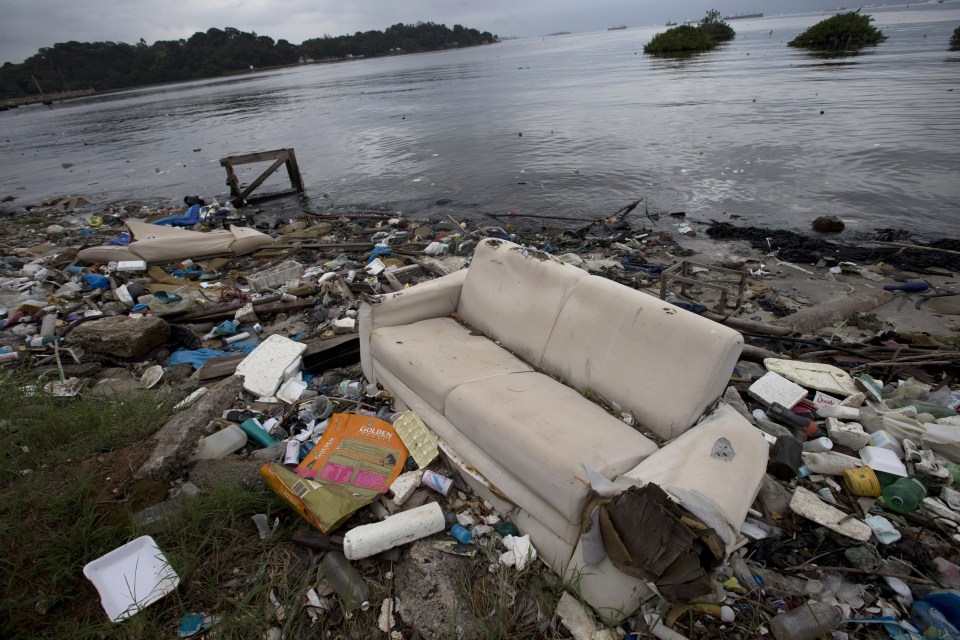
617,28
670,23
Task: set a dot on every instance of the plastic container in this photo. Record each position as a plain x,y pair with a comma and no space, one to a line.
904,495
883,460
806,622
785,459
220,444
884,440
818,445
406,526
275,276
48,326
862,482
257,433
345,580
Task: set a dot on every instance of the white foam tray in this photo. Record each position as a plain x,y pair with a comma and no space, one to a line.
131,577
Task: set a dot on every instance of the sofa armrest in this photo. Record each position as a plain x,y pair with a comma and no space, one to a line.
432,299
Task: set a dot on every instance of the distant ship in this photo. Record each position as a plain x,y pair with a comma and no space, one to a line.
670,23
743,16
617,28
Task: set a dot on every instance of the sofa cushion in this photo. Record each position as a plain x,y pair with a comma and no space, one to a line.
434,356
544,433
663,364
513,295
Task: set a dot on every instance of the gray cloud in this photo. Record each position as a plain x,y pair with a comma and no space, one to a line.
28,25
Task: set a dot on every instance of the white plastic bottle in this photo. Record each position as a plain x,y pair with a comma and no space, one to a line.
220,444
407,526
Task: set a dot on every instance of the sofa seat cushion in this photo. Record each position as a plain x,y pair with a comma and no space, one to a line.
434,356
544,432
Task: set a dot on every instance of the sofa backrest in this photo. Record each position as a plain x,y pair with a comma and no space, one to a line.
513,295
661,363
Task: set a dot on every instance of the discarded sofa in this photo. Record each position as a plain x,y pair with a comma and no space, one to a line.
155,243
500,360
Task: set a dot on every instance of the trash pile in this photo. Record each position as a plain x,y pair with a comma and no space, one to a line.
855,530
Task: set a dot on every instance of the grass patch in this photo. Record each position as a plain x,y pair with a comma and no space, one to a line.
842,32
66,491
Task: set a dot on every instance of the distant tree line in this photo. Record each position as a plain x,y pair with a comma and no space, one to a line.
114,65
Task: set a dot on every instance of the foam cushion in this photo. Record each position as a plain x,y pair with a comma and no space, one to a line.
544,433
434,356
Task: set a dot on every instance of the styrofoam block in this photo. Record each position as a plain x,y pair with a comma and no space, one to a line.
291,390
264,369
773,387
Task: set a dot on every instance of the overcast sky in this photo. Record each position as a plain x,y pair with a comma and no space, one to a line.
27,25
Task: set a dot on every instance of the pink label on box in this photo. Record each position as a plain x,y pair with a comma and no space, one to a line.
369,480
337,473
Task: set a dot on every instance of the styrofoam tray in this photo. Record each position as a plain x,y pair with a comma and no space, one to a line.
131,577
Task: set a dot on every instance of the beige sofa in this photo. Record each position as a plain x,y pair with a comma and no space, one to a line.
506,389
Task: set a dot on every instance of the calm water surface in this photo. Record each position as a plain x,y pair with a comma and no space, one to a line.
737,131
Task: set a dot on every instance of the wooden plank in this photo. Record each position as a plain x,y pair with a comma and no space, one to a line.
263,176
248,158
220,367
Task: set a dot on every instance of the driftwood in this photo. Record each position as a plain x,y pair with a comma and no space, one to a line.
748,326
826,313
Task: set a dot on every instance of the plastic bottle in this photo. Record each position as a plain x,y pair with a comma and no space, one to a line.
830,463
162,515
807,622
48,326
406,526
818,445
346,581
932,623
462,534
220,444
904,495
272,452
255,430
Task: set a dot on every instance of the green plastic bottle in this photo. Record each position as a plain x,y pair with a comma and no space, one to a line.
904,495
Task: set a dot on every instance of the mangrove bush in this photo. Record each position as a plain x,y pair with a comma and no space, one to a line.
955,40
841,32
685,39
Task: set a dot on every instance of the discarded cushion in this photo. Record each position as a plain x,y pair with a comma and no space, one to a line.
167,244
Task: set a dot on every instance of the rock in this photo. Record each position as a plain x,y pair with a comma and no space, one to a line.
428,585
863,557
208,474
178,437
828,224
121,336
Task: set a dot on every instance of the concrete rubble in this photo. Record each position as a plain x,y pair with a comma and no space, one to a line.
860,508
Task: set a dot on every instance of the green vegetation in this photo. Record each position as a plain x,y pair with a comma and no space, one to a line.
955,40
842,32
685,39
679,40
115,65
713,26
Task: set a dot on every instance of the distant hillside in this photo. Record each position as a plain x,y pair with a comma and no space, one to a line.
116,65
